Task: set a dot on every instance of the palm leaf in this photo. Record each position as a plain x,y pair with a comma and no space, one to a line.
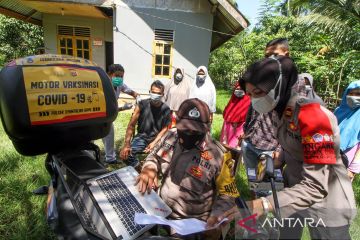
339,18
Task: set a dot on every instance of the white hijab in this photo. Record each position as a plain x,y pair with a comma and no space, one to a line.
205,91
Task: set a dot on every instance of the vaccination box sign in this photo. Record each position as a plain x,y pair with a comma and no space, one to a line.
57,94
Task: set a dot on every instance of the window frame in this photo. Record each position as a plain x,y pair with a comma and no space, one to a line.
154,65
74,45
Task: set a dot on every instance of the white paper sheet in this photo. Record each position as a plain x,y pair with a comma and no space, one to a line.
182,227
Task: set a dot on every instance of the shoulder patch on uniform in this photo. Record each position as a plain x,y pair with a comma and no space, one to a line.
196,171
316,134
206,155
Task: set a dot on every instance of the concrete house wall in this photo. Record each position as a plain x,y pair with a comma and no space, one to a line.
99,28
134,37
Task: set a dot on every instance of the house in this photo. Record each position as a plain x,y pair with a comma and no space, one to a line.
148,37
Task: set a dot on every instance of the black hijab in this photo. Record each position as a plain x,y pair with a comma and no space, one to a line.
265,73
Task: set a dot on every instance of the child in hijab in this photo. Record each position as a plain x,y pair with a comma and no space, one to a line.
309,87
348,115
234,118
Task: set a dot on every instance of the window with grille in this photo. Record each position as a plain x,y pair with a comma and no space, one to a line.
163,52
74,41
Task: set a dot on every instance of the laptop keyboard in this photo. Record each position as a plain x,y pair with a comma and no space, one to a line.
123,202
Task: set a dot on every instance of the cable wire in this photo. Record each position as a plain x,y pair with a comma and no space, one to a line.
179,22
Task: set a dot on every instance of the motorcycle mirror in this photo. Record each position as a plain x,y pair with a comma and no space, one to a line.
269,167
265,169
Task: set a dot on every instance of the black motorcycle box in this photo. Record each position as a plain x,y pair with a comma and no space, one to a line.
49,103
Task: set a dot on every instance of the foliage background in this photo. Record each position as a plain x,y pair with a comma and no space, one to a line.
18,39
332,62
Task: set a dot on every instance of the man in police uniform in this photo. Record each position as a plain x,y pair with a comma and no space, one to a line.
197,173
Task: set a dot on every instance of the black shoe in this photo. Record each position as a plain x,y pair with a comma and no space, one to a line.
43,190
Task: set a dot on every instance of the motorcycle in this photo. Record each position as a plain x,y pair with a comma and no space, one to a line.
265,174
69,170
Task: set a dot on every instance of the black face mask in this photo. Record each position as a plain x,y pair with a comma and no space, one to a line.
190,140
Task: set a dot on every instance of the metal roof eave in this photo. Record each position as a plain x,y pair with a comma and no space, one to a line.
18,10
23,9
227,19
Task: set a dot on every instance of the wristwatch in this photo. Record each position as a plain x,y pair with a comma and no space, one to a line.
265,204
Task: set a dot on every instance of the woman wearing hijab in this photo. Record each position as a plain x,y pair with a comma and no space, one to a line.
234,117
176,92
348,115
316,183
309,87
204,89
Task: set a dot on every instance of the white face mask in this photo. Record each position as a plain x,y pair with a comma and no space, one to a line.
308,88
353,101
264,104
239,93
178,77
268,102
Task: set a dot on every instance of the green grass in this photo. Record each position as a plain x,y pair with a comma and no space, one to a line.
22,214
222,98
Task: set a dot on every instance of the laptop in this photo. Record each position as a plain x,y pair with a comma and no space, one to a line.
118,199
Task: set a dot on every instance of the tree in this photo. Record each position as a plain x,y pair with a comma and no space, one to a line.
333,66
338,18
18,39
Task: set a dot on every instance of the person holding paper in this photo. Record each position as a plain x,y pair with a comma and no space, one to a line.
197,172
